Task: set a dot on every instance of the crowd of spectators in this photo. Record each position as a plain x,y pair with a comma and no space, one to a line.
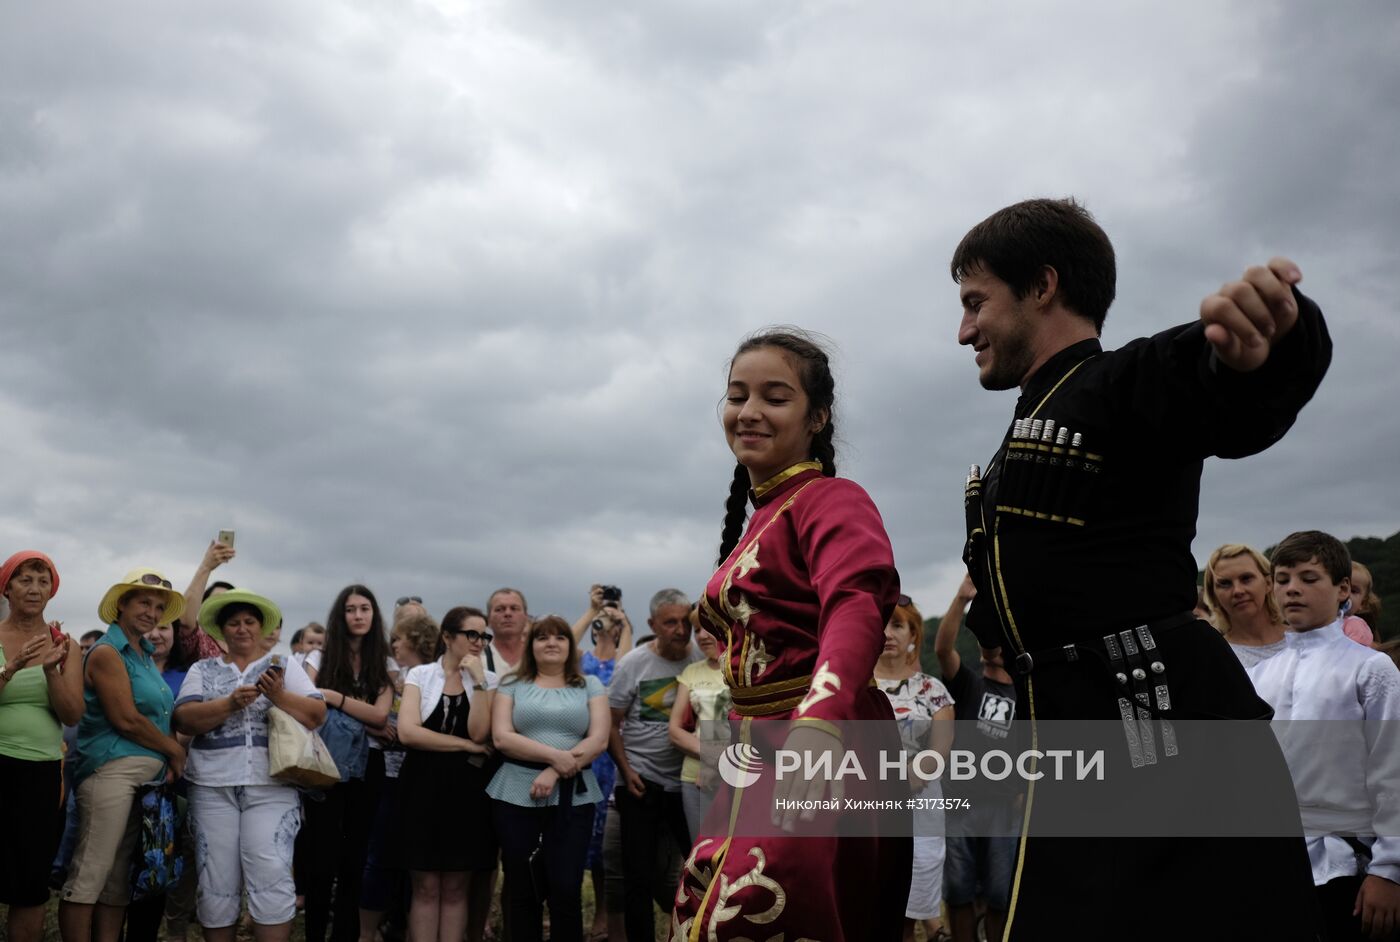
483,756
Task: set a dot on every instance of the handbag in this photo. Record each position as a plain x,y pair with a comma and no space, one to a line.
157,864
346,742
296,755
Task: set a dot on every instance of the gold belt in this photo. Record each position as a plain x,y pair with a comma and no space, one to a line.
767,699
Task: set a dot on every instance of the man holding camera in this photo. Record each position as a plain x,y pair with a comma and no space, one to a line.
641,694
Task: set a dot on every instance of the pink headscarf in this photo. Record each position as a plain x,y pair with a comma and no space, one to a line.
7,571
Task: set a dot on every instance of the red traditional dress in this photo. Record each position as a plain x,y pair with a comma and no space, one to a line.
800,605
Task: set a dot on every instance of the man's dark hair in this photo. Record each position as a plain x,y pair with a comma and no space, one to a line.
1306,545
239,608
93,635
457,616
226,586
1014,243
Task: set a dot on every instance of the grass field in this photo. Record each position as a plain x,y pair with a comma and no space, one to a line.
298,934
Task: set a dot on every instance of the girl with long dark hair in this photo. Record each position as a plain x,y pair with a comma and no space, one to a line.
800,602
352,674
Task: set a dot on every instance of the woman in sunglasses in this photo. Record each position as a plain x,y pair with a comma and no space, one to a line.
124,741
445,722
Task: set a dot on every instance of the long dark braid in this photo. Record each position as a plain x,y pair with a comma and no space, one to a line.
736,510
814,370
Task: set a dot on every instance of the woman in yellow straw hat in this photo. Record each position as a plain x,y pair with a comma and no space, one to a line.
125,741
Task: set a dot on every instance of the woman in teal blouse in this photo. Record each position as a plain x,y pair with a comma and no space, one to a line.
549,722
124,740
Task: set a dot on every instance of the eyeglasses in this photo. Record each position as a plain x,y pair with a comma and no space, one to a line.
405,599
904,600
472,635
150,578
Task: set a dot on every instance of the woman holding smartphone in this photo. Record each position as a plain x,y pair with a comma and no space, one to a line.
244,821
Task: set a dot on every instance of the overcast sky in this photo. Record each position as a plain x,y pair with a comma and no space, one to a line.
440,297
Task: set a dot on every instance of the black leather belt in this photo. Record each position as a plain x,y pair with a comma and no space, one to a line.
566,794
1134,659
1029,661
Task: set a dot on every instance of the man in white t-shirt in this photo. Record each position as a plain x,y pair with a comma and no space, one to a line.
508,616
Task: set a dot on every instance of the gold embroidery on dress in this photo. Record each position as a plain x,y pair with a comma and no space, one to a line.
756,660
740,609
723,912
746,563
824,684
680,931
692,867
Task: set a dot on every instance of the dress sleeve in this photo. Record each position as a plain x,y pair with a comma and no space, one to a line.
937,694
192,687
1172,391
851,565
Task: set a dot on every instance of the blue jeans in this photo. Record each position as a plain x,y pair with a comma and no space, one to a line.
64,857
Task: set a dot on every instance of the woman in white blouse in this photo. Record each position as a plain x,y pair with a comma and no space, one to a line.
445,723
243,820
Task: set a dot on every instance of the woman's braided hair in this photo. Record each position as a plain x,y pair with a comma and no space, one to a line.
814,372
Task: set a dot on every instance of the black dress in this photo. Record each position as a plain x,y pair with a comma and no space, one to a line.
445,812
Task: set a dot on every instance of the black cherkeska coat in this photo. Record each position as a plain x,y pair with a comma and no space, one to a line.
1068,545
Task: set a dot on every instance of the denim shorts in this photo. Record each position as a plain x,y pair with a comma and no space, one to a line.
979,866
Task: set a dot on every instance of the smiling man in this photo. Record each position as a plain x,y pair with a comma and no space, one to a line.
1097,482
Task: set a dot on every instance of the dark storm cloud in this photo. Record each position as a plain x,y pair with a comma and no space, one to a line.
441,297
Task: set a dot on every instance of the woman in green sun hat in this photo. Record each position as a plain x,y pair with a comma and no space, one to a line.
244,821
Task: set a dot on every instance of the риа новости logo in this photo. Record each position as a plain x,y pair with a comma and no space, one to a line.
740,765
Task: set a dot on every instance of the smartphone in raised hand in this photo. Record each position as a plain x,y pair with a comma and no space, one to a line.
226,538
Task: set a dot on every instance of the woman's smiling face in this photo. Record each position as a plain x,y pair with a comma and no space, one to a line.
767,415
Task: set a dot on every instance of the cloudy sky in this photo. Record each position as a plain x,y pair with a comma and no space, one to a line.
440,296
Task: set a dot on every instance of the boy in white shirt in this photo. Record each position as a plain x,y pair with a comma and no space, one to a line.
1347,771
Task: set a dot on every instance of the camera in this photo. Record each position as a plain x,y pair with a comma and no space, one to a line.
612,596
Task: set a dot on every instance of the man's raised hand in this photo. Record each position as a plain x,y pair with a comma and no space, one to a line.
1245,318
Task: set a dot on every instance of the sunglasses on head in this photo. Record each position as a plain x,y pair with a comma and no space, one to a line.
904,600
405,599
150,578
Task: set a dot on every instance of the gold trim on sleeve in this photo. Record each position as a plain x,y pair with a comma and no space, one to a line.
826,727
